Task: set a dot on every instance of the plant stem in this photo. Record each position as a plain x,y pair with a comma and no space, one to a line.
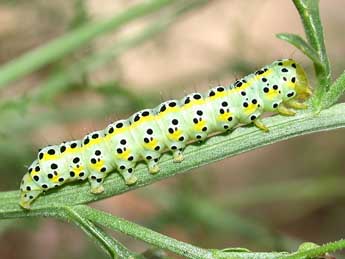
106,242
82,214
147,235
315,252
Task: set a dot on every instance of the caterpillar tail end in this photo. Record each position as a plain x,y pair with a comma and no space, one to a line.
26,198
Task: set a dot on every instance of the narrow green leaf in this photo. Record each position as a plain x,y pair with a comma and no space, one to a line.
302,45
336,90
67,43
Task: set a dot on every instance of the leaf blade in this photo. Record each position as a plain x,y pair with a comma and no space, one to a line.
301,44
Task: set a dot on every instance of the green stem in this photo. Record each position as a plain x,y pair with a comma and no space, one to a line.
315,252
147,235
82,214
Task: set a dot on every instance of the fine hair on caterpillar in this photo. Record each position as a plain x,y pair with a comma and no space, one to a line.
279,87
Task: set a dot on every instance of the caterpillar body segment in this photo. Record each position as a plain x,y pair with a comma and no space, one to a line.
168,127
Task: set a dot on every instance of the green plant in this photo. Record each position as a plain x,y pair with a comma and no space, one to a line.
324,116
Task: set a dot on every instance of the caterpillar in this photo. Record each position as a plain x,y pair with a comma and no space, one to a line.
279,87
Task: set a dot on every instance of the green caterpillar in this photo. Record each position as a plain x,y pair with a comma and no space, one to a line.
168,127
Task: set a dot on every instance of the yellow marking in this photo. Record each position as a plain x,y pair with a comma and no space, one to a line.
291,85
199,125
151,145
192,103
224,116
250,109
267,73
47,157
175,136
75,150
124,155
243,86
271,94
288,62
116,131
97,166
169,110
77,170
93,142
55,178
143,120
218,95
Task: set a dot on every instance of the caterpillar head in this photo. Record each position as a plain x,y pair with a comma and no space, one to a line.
302,87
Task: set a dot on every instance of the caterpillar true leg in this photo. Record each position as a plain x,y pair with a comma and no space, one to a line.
283,110
297,105
258,123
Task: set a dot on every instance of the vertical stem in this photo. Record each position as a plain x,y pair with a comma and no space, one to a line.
310,16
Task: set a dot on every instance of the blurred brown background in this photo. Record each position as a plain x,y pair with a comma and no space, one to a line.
269,199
